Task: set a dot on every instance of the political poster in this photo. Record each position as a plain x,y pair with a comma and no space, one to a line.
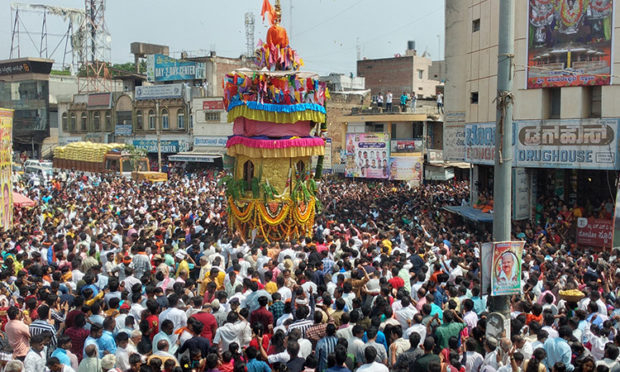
6,152
506,268
407,168
569,43
368,155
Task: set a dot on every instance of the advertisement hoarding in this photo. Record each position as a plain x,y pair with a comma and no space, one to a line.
6,153
575,144
454,136
210,141
480,143
569,43
159,91
368,155
506,269
594,232
163,68
151,146
407,168
123,130
406,145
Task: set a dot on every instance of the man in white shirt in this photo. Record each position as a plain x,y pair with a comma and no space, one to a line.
229,332
371,365
35,359
177,316
473,359
406,313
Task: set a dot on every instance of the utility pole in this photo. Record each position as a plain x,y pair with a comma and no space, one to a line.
157,124
503,143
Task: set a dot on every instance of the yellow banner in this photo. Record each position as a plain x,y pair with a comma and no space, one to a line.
6,155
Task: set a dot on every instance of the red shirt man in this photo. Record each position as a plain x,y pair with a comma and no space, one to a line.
209,322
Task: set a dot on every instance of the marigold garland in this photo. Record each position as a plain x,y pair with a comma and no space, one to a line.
290,220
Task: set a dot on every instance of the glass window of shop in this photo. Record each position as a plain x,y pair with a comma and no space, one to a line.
30,100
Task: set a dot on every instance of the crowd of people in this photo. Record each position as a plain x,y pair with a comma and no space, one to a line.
105,274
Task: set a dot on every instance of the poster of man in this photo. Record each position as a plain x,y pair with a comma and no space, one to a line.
6,150
569,43
367,155
506,269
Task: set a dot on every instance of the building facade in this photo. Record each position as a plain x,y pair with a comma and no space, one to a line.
565,117
409,73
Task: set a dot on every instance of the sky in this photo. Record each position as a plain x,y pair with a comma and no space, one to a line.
327,34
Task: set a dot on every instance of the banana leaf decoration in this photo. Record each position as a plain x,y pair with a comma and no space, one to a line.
255,186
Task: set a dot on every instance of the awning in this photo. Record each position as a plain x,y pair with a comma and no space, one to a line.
450,164
21,201
470,213
195,157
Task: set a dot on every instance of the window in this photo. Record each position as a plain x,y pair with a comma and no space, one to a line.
420,74
180,119
555,100
108,121
83,122
151,120
474,98
73,122
97,121
139,120
475,25
248,171
595,102
65,124
191,121
212,116
301,167
375,128
165,124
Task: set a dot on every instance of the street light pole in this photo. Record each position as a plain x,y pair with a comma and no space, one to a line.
503,143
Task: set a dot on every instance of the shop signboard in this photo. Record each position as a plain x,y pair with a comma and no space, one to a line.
574,144
167,146
506,268
594,232
159,91
569,43
454,136
123,130
6,153
406,145
480,143
407,168
210,141
213,105
163,68
521,208
368,155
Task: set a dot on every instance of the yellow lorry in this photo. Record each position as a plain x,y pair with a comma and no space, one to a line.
111,158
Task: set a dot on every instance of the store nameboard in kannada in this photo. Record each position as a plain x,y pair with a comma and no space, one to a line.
594,232
480,143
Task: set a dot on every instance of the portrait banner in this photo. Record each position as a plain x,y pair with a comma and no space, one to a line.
368,155
569,43
6,151
506,269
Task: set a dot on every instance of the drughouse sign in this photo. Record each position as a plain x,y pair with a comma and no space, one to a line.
575,144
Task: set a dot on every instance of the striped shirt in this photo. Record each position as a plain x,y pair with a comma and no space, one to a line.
324,347
39,326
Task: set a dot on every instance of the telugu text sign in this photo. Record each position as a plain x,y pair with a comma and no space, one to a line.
575,144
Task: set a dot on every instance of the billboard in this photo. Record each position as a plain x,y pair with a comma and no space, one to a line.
575,144
166,146
123,130
407,168
6,153
368,155
569,43
406,145
163,68
506,269
159,91
480,143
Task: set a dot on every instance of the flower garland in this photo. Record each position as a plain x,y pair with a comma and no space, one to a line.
597,5
267,216
303,215
570,17
242,216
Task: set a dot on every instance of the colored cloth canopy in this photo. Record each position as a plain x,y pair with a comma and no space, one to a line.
280,148
22,201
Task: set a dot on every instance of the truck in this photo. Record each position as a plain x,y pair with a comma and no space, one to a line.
109,158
